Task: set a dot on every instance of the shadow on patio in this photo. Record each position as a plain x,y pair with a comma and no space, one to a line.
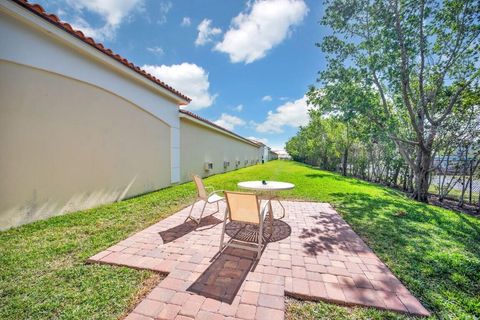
185,228
224,277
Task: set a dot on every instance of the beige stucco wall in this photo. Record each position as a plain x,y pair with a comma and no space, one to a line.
200,144
66,145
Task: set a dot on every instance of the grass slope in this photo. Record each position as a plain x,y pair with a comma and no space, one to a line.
435,252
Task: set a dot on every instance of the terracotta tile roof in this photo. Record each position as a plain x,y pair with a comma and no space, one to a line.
193,115
53,19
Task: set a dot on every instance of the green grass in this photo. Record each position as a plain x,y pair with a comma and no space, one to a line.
435,252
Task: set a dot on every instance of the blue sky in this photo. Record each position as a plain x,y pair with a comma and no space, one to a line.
246,64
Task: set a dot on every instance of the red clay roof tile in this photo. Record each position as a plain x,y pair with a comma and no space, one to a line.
53,19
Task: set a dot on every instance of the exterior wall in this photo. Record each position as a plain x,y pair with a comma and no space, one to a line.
67,145
29,40
200,144
272,155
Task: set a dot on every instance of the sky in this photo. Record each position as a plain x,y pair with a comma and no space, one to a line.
246,64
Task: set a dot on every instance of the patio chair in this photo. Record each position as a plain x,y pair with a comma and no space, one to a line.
207,198
244,208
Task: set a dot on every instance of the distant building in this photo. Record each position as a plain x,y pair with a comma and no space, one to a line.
283,155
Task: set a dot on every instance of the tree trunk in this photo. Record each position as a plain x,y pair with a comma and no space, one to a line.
345,161
395,175
422,173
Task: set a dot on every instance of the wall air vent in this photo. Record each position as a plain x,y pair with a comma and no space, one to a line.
208,166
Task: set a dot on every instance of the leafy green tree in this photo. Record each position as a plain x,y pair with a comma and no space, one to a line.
404,65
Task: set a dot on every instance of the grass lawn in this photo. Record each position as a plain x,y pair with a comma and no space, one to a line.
435,252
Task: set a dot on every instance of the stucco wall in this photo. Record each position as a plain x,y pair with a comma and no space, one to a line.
29,40
200,144
68,145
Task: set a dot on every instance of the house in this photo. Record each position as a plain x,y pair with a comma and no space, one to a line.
282,155
82,126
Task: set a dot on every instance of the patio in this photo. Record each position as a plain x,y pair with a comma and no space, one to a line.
315,256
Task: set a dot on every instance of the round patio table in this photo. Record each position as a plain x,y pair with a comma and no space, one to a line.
269,187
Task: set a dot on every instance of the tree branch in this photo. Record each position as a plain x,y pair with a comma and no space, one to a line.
454,98
404,76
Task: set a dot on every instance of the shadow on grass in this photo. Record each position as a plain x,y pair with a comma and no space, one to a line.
337,177
420,243
355,181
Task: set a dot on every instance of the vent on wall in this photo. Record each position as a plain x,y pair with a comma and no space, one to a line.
226,164
208,166
237,163
246,162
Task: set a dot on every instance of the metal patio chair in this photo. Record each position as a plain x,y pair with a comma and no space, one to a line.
243,207
207,198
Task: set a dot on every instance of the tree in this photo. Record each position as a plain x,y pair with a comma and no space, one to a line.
407,64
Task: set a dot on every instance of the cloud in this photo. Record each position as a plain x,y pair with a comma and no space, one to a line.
238,108
205,32
229,122
186,22
261,27
158,51
262,140
165,7
189,79
113,12
292,114
267,98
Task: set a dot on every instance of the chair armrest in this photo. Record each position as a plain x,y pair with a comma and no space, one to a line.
215,191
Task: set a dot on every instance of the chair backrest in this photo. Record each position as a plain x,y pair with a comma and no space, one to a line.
201,192
243,207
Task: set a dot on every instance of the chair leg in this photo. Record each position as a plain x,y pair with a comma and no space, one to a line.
201,213
260,239
190,213
223,230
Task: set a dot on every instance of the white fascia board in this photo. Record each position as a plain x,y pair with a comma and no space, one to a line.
14,9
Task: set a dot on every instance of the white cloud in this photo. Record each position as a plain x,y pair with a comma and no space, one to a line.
205,32
262,140
186,22
113,12
267,98
292,114
238,108
189,79
165,7
229,122
265,24
156,50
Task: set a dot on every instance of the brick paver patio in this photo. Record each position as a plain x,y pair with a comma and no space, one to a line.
322,259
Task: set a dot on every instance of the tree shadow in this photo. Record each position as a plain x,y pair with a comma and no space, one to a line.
429,249
330,234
